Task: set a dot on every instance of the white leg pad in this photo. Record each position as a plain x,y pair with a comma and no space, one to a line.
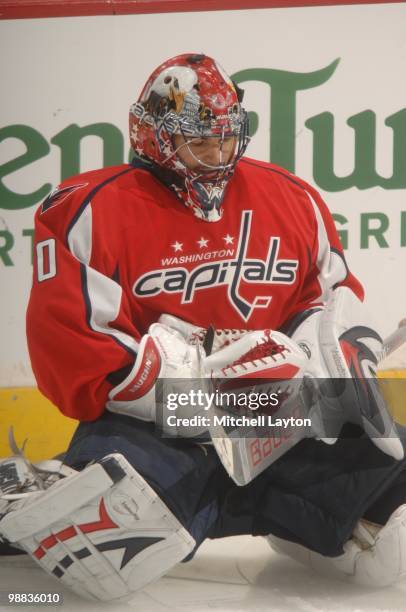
375,556
103,532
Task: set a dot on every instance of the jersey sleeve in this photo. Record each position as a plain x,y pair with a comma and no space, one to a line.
81,337
328,268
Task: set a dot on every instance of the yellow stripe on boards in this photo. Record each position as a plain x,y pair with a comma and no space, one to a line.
393,386
35,418
49,432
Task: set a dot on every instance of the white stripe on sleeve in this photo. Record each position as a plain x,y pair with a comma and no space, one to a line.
331,265
105,295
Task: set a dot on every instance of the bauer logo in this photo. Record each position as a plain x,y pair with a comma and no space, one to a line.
229,273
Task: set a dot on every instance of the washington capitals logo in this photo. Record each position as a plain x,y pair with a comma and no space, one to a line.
58,195
228,272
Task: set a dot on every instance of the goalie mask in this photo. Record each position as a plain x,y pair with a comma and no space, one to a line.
189,98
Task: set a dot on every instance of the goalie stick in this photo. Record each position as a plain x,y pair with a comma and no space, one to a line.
395,341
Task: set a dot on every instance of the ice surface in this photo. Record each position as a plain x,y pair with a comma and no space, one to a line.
234,574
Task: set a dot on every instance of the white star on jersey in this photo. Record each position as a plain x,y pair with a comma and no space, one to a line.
228,239
202,242
177,246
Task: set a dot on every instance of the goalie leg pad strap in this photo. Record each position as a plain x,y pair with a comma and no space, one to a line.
103,532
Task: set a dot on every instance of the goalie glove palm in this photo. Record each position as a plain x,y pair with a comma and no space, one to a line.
258,354
260,362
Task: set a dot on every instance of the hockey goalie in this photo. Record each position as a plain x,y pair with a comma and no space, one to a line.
196,265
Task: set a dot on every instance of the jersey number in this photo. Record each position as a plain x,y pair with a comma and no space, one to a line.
46,260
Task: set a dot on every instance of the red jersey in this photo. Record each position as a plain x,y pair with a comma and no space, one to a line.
115,249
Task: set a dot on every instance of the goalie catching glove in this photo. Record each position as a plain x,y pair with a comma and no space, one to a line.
264,369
